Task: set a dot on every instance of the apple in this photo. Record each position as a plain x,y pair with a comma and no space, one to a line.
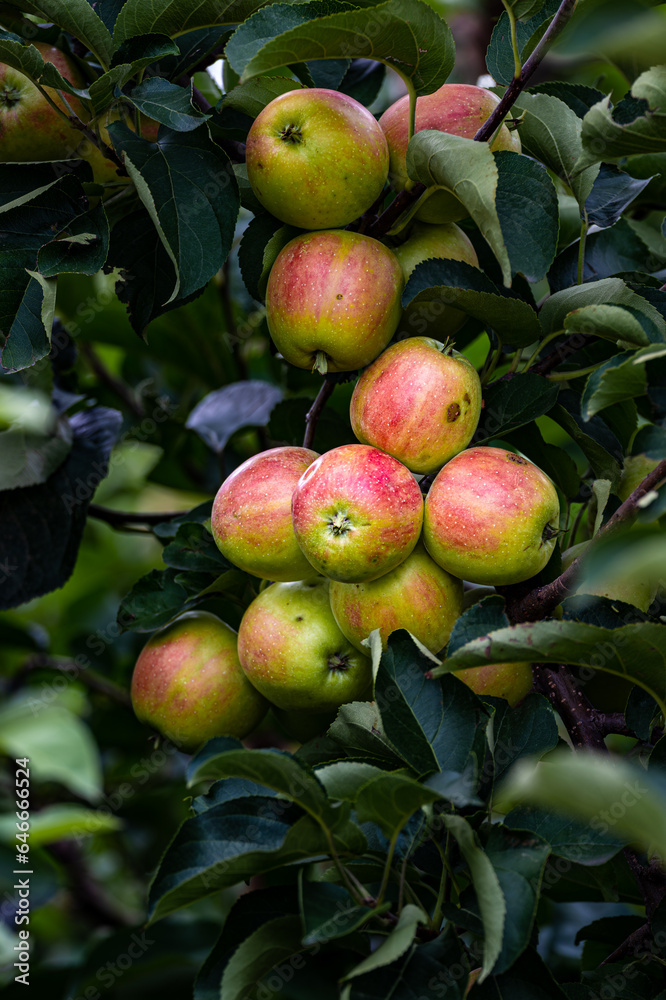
292,650
418,596
419,402
188,683
251,518
316,158
357,513
457,108
424,242
30,129
511,681
333,300
491,517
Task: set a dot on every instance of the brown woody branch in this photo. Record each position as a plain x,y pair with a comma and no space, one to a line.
313,414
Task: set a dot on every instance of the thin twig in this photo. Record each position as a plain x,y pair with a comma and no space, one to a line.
118,518
117,386
313,414
91,680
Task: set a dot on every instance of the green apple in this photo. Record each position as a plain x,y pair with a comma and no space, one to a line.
491,517
188,683
457,108
31,129
316,158
251,518
511,681
424,242
418,596
333,300
418,402
292,650
357,513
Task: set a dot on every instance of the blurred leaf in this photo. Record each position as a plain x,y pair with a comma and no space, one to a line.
186,183
499,58
432,726
470,172
167,103
395,945
222,412
513,401
551,132
568,838
29,456
60,822
45,522
635,651
612,192
633,126
640,713
58,745
609,794
405,34
457,284
363,80
527,208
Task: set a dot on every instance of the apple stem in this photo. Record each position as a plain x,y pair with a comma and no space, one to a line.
321,363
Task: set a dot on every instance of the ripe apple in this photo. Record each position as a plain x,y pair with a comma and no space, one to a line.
357,513
511,681
418,402
188,683
292,650
30,129
418,595
491,517
316,158
251,519
458,108
333,300
445,242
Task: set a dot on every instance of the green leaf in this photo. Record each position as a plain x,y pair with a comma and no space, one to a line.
152,602
262,241
513,401
568,838
252,96
518,863
431,726
529,978
607,291
487,887
167,103
635,651
577,96
528,730
60,822
194,549
621,377
610,251
429,971
186,183
481,618
166,18
36,442
457,284
342,779
82,248
614,323
224,411
274,942
407,35
469,171
390,799
227,844
77,17
499,58
358,728
328,912
567,414
611,134
59,746
609,794
527,208
395,945
16,52
551,132
612,192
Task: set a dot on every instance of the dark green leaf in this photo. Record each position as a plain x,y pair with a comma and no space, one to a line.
527,208
44,523
427,971
528,979
513,401
607,291
152,602
363,80
405,34
485,616
529,729
274,942
603,455
454,283
499,58
611,193
328,912
550,458
262,241
641,712
222,412
607,252
359,730
389,800
194,549
77,17
621,377
253,96
163,17
186,183
167,103
81,248
577,96
396,944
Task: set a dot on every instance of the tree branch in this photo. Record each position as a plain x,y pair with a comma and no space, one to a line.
91,680
518,83
313,414
574,708
538,603
118,518
127,395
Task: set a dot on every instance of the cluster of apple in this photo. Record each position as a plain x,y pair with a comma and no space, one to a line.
345,540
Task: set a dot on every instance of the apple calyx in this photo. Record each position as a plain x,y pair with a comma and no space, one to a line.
340,524
291,133
10,96
549,532
338,662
